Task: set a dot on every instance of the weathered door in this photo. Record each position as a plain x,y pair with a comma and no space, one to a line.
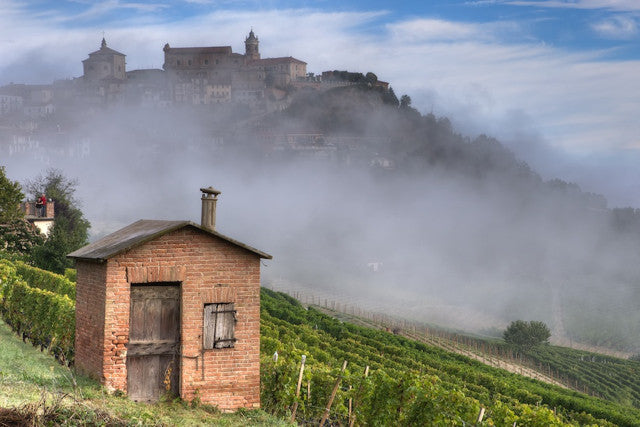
153,362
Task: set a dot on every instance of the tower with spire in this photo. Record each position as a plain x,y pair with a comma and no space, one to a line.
251,50
104,63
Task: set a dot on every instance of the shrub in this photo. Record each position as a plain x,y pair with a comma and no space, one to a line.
527,334
46,280
44,317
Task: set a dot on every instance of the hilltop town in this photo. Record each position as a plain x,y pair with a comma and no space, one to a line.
190,76
238,90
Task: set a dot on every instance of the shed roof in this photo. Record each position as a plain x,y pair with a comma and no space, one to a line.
143,231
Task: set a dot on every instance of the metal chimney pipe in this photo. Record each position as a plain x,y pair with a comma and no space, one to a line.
209,200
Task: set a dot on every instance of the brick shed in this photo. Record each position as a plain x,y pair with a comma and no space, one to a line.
171,305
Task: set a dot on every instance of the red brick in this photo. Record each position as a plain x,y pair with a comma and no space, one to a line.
199,262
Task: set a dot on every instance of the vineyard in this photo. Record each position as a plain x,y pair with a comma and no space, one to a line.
603,376
409,381
361,375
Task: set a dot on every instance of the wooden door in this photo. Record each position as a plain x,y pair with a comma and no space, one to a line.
153,361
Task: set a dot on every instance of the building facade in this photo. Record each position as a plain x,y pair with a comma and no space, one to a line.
171,305
215,74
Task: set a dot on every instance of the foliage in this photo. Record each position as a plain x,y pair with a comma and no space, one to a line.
371,78
405,101
526,335
408,381
19,237
70,229
71,274
42,279
10,198
44,317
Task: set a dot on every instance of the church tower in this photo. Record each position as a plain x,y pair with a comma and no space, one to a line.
251,51
104,63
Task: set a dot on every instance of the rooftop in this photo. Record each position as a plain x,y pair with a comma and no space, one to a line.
143,231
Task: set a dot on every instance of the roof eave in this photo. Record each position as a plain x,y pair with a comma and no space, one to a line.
175,227
133,244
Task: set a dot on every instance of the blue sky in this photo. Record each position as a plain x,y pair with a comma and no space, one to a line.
556,80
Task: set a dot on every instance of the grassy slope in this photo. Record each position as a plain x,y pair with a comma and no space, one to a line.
27,375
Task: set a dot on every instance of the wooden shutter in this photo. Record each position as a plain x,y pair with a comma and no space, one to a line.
219,325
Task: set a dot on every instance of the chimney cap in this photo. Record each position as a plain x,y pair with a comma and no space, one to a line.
210,190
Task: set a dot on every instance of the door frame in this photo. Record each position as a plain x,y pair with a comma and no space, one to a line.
163,349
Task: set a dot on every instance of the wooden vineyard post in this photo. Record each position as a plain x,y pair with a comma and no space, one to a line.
333,395
350,406
353,417
295,404
480,415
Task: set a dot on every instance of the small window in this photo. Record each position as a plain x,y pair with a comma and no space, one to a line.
189,62
219,325
206,62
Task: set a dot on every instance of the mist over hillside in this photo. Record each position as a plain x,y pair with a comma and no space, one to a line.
358,197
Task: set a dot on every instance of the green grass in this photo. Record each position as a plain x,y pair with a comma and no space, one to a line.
30,377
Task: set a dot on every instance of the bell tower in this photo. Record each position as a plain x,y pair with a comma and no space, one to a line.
251,51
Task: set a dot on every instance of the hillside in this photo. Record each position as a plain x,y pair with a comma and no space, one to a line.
401,376
403,371
35,390
456,221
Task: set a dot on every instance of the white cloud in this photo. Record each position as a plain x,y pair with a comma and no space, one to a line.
469,71
615,5
420,30
617,27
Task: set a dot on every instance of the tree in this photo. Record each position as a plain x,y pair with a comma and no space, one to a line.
389,97
371,78
526,335
405,101
10,198
70,230
17,236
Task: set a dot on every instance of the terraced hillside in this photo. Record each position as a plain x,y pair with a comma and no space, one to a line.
408,381
387,380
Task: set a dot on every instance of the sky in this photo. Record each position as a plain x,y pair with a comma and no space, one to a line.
555,80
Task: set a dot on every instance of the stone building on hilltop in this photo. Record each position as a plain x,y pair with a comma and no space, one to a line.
104,75
215,74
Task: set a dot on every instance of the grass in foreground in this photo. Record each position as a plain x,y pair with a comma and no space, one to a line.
33,384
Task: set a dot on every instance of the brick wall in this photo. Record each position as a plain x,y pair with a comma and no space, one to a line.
209,270
90,301
50,209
